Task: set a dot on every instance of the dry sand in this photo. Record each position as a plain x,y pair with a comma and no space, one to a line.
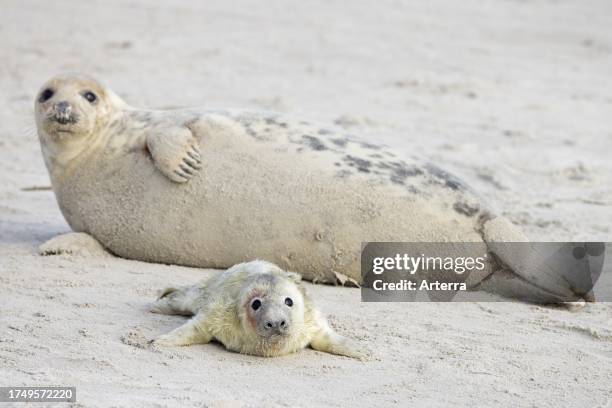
513,96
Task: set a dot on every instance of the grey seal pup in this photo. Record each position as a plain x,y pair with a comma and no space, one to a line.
251,308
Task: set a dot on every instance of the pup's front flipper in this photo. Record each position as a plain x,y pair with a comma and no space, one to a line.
192,332
329,341
73,243
176,153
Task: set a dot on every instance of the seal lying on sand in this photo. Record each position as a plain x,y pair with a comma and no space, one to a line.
252,308
215,188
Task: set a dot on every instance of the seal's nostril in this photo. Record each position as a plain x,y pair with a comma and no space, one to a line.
282,323
62,106
269,325
63,112
62,109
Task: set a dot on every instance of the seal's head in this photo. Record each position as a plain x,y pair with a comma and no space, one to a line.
271,306
71,108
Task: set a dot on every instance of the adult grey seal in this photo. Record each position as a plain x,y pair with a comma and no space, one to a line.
209,188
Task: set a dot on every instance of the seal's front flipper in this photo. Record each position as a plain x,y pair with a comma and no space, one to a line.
329,341
73,243
176,153
192,332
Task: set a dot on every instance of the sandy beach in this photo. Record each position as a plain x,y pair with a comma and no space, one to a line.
512,96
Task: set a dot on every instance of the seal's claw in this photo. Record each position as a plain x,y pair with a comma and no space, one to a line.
195,155
75,244
187,169
175,152
179,176
192,163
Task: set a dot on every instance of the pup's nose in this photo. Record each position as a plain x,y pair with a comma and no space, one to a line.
63,107
62,111
277,325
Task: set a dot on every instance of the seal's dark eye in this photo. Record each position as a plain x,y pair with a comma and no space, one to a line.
256,304
46,95
288,302
90,96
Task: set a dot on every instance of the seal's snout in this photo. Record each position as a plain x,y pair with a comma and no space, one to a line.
275,327
62,113
279,326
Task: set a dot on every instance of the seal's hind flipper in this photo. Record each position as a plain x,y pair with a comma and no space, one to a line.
176,153
177,301
546,276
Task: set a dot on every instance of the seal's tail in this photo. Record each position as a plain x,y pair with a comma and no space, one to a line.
526,272
177,301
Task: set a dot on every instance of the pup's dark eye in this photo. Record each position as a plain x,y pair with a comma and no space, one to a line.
90,96
256,304
288,302
46,95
